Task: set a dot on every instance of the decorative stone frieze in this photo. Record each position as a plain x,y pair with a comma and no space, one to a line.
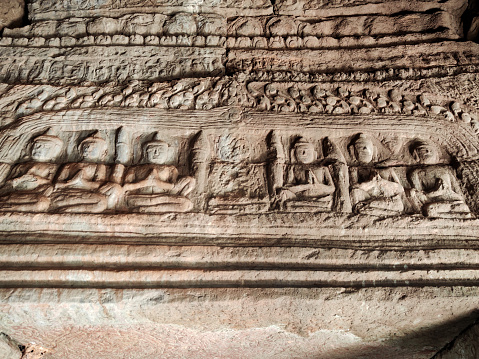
267,179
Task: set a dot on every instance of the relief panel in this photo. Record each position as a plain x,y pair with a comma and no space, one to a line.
49,10
281,32
80,65
318,8
236,166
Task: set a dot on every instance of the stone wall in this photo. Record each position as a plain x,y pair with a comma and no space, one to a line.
238,179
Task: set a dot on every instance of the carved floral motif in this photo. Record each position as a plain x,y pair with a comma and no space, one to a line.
218,92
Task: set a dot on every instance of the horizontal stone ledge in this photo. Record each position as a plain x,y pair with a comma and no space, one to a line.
447,53
351,8
149,257
115,40
332,43
271,229
72,65
224,9
232,279
185,296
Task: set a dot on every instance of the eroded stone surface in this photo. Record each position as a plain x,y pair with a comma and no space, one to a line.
464,345
326,323
8,348
239,179
11,13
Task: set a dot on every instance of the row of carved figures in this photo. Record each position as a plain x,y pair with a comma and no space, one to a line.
91,186
301,183
367,188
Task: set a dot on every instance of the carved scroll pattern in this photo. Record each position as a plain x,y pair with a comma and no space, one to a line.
212,93
46,9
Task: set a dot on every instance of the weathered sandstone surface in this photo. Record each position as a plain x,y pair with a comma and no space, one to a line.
239,179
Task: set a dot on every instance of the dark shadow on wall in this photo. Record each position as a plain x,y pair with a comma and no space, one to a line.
26,18
13,13
463,346
470,20
422,343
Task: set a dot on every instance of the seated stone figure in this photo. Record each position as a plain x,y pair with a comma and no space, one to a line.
373,191
82,187
29,185
308,186
436,192
155,186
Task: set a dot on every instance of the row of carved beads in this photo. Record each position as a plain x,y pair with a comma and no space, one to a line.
116,40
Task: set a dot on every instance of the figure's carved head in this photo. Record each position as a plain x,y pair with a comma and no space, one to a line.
156,151
46,147
423,152
364,150
303,151
93,148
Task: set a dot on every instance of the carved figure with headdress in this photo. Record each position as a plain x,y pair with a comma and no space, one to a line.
29,185
82,187
156,186
308,185
373,190
435,190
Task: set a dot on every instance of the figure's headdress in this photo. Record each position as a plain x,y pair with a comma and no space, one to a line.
48,137
302,142
359,139
156,141
299,143
97,139
362,139
420,143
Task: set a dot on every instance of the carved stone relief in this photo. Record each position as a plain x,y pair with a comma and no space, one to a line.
115,176
209,93
306,184
284,32
435,189
302,149
47,10
163,40
155,186
28,186
374,190
348,7
233,168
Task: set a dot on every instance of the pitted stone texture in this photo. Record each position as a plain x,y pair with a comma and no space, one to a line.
298,323
353,287
34,351
8,348
11,13
465,346
47,10
321,8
